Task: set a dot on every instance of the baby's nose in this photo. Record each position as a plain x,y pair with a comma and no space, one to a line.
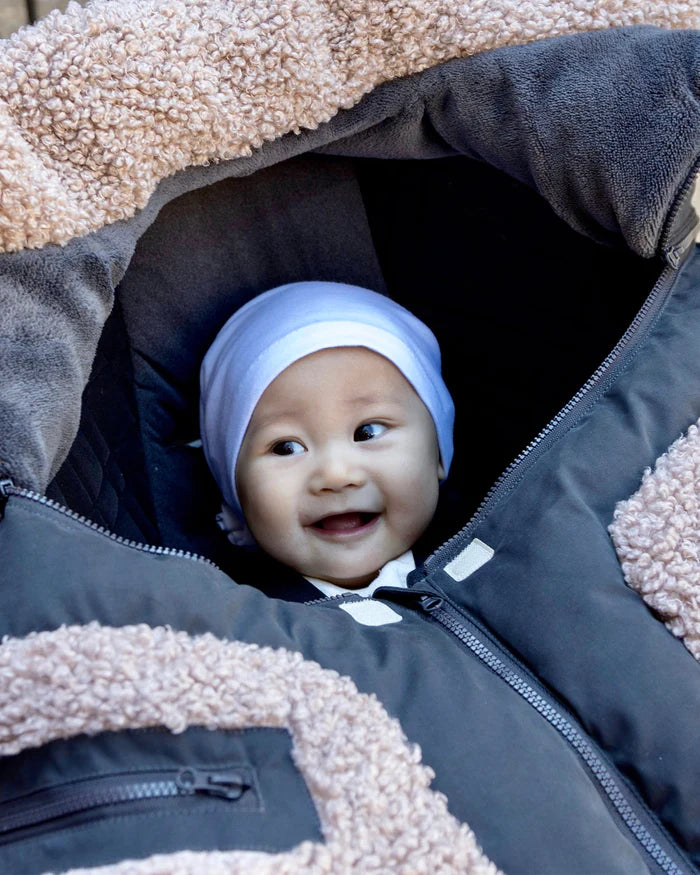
337,469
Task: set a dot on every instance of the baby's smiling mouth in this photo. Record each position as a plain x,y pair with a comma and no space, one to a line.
345,523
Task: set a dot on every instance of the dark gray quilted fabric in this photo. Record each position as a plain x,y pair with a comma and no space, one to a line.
104,477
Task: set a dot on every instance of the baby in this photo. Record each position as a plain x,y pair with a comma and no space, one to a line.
328,428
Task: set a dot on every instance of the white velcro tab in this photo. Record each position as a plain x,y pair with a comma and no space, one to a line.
472,557
369,612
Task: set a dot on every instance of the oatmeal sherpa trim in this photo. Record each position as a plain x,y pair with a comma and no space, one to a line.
89,679
101,103
657,537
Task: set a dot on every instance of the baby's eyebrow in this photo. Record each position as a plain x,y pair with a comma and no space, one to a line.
286,415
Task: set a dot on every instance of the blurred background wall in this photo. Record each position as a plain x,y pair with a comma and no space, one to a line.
15,13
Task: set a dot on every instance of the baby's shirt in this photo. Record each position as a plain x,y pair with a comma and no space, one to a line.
394,573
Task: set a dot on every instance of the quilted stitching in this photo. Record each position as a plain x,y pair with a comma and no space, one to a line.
104,476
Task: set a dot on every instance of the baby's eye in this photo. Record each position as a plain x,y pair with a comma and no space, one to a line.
368,431
287,448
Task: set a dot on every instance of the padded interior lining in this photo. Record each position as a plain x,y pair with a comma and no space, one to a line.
525,309
104,476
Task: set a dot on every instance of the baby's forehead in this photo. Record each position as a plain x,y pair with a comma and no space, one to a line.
349,376
348,367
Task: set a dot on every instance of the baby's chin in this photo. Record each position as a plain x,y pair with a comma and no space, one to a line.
350,574
348,582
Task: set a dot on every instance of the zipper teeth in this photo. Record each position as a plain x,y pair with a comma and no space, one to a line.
592,381
11,489
90,799
565,728
325,599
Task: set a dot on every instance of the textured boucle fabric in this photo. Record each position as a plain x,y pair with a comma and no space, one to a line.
101,103
657,537
371,792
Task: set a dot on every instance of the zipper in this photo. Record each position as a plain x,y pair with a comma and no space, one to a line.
592,389
85,795
495,658
326,599
674,252
8,488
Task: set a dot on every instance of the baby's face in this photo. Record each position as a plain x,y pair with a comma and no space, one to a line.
339,469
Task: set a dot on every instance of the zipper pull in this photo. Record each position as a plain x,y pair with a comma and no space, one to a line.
5,486
430,603
229,785
675,255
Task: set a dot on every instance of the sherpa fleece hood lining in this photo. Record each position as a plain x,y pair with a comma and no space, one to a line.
102,103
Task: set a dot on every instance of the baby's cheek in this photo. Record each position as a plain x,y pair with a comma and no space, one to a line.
275,541
418,503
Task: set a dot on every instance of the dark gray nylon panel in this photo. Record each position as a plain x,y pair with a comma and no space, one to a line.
554,589
275,815
504,770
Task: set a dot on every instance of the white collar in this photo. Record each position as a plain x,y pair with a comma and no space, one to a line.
394,573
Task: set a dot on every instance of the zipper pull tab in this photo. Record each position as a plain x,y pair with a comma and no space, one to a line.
430,603
5,486
229,785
